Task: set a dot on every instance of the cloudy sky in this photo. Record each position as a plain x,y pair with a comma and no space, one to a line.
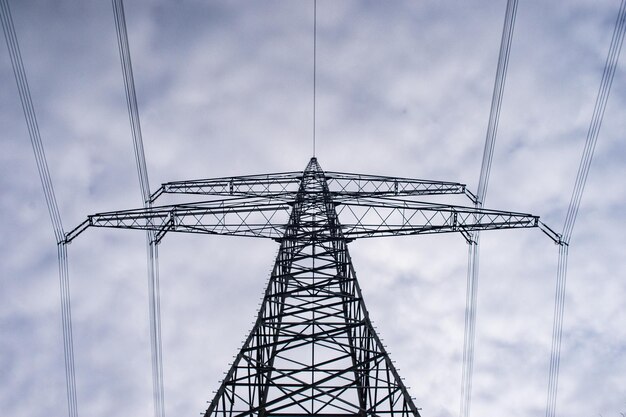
225,88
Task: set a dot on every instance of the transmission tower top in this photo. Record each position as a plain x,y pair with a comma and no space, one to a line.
313,349
261,205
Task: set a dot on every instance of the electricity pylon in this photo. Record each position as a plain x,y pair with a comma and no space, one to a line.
313,349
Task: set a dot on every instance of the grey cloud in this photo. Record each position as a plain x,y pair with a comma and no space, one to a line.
225,89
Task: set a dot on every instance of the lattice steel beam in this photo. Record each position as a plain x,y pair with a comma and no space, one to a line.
312,350
253,217
342,186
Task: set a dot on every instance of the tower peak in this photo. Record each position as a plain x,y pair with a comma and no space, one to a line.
313,166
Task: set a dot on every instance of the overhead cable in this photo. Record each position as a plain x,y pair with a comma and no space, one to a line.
314,67
154,297
574,205
472,266
53,209
131,97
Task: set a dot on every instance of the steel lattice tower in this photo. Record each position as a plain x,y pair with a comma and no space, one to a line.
313,349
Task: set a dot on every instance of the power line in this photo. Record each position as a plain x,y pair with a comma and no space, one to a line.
131,97
154,297
574,205
496,100
53,209
473,250
314,67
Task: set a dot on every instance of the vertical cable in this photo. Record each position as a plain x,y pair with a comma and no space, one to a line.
314,67
53,209
473,252
574,205
557,330
66,320
154,298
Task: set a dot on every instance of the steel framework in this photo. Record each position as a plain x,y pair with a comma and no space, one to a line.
313,349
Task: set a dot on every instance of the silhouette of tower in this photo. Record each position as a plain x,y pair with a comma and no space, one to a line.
312,350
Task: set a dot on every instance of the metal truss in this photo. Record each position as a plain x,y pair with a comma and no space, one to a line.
341,186
255,217
313,349
259,206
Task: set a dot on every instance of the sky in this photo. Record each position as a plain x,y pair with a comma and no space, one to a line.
226,88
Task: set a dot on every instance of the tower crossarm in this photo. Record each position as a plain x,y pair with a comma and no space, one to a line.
342,186
345,186
235,217
283,184
375,217
267,218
